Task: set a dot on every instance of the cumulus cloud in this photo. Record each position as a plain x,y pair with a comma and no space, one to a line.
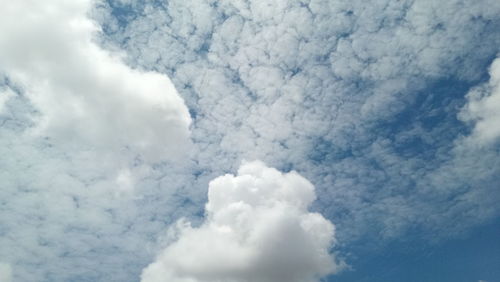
483,108
85,94
360,97
257,228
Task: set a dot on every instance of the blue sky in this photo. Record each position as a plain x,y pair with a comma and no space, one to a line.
468,258
130,131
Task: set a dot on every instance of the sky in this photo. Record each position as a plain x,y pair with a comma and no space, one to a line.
250,140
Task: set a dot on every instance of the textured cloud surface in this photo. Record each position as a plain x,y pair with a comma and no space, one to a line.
257,229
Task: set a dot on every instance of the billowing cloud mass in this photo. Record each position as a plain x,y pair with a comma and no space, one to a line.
483,108
84,93
257,228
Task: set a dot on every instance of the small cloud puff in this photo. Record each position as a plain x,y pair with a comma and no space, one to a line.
257,229
483,108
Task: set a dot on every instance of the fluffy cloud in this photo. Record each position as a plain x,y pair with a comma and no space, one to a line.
257,229
85,94
483,108
5,95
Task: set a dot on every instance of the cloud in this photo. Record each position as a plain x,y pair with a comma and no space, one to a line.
483,108
80,131
5,95
257,228
5,272
354,95
85,94
359,97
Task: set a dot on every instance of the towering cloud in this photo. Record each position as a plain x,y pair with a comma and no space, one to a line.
83,92
257,229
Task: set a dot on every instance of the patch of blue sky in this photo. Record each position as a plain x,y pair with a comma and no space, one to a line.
124,11
434,109
474,256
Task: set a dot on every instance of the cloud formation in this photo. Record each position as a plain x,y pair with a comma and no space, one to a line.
257,228
80,131
359,97
483,108
86,95
5,272
354,95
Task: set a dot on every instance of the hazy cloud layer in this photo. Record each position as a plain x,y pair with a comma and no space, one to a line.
257,228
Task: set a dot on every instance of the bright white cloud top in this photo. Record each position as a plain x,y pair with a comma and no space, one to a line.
257,229
483,108
84,93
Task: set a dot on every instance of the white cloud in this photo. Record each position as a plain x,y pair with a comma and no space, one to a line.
337,67
257,229
85,94
483,108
